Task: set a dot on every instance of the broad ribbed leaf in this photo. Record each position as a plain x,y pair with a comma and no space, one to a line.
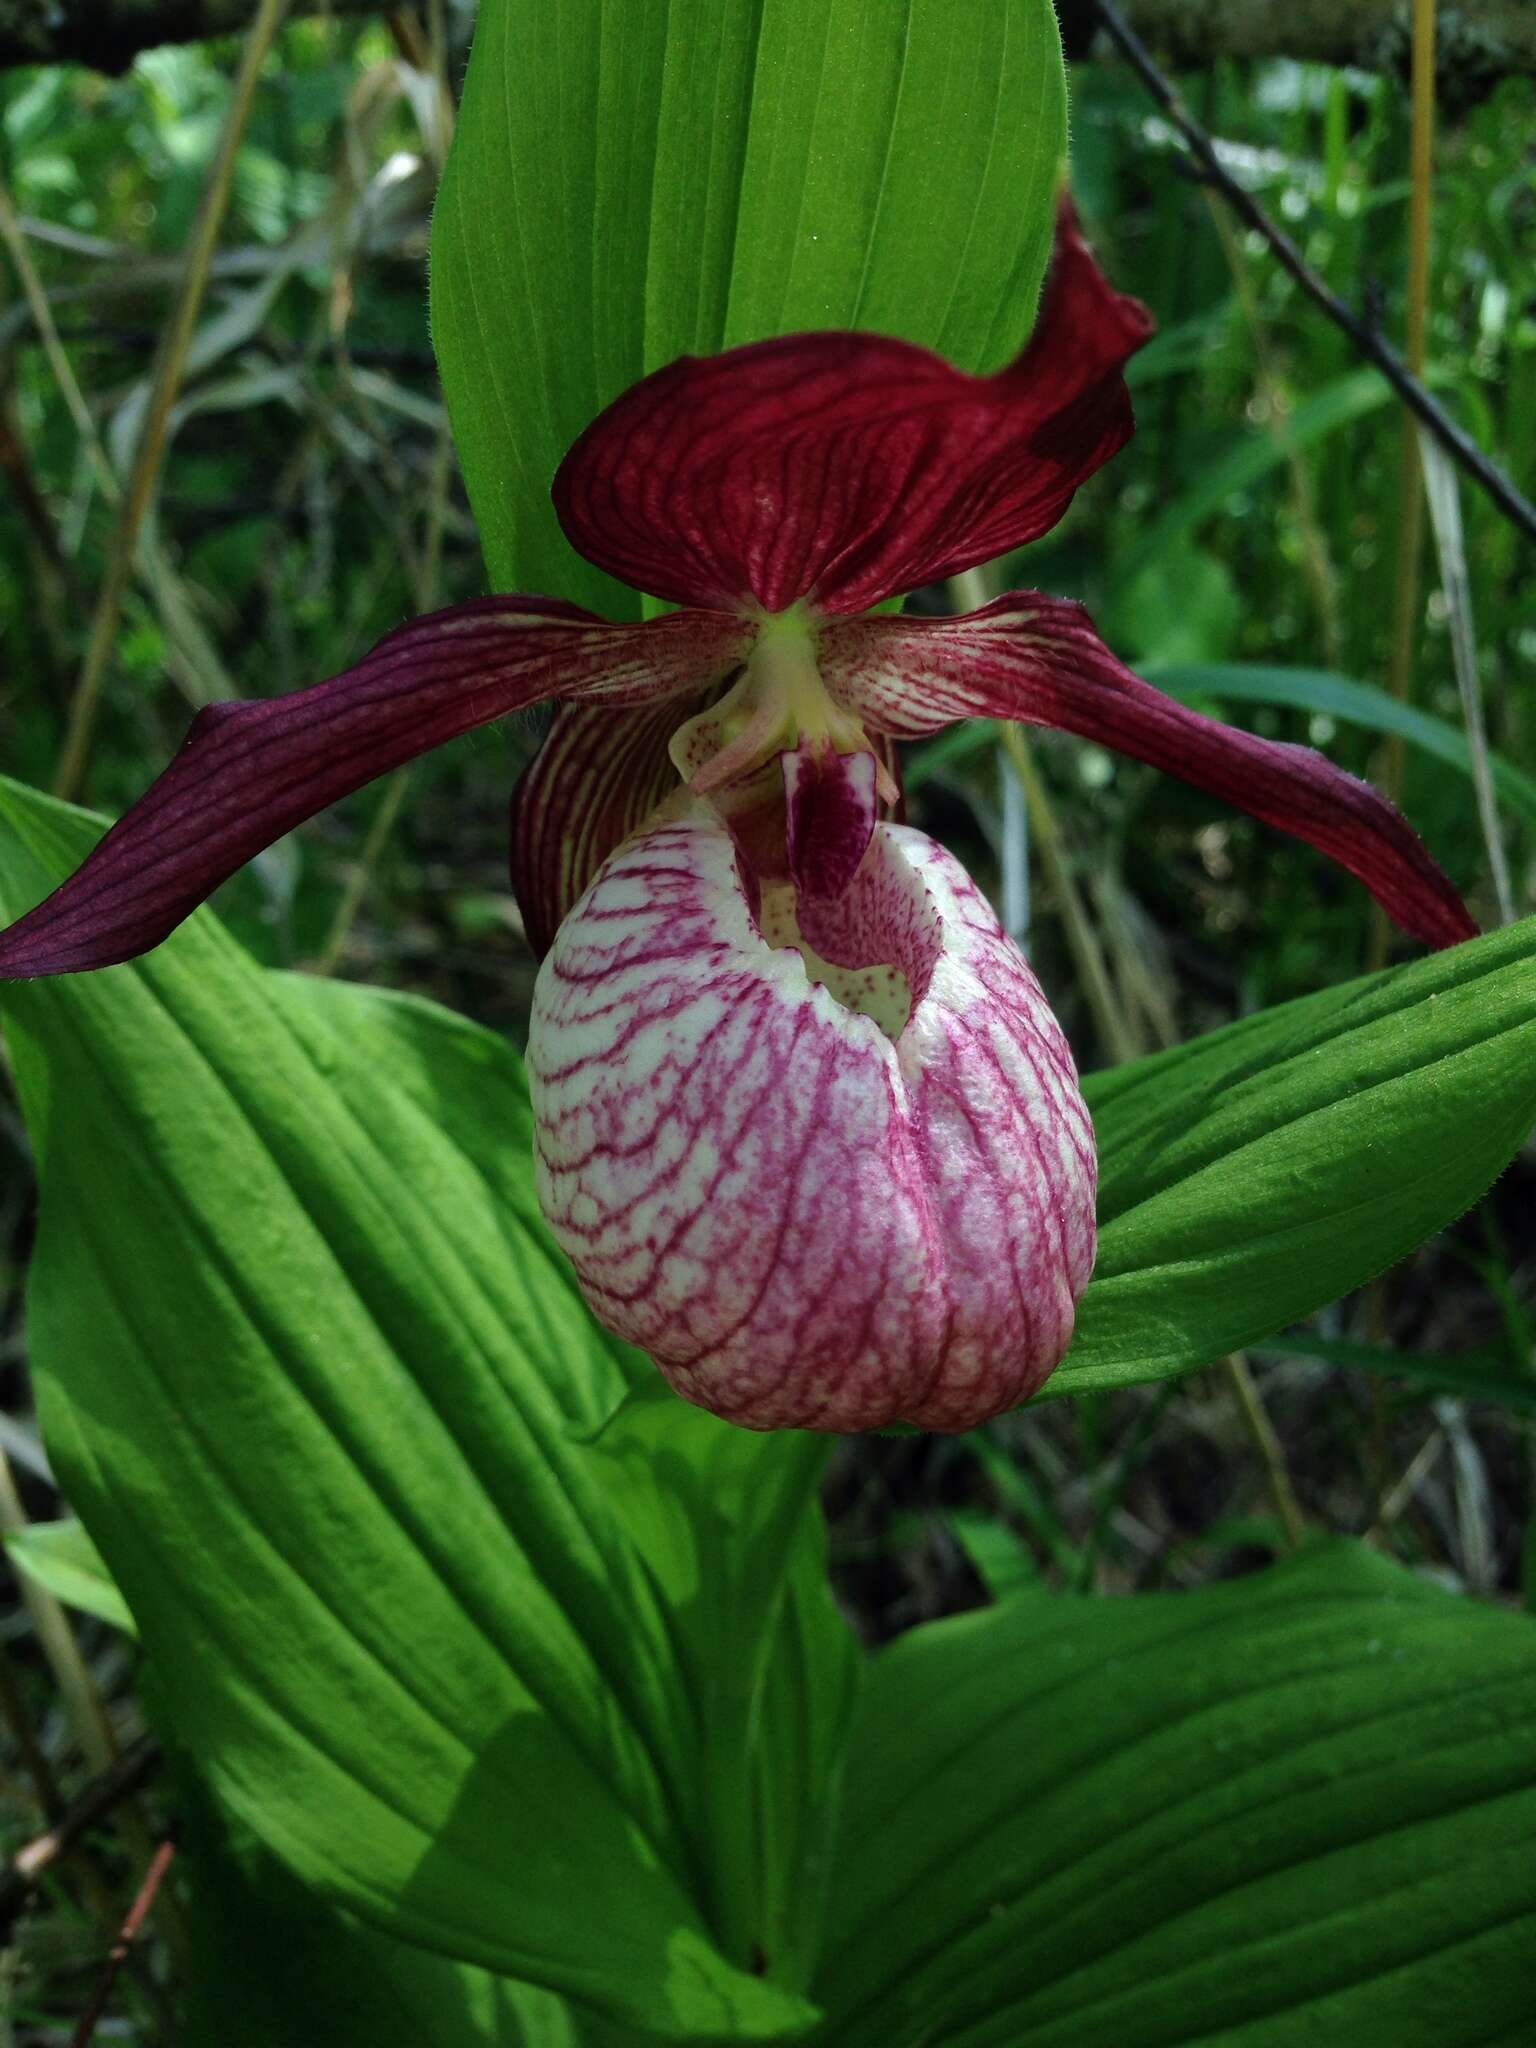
271,1967
632,182
317,1383
770,1671
1289,1810
1254,1174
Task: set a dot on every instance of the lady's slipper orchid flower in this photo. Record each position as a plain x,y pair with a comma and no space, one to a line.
824,1157
807,1127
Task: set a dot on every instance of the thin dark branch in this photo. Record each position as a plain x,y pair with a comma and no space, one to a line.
1477,42
133,1769
127,1935
1455,440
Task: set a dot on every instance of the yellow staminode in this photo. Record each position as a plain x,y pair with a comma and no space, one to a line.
778,701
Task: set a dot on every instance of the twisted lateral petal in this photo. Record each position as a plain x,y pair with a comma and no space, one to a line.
845,467
828,1178
1039,660
247,773
597,778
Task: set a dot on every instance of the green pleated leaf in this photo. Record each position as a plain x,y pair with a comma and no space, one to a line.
1290,1810
630,182
63,1560
769,1666
320,1387
269,1966
1254,1174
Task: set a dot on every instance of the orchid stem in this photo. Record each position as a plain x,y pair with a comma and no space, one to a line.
1271,1454
1115,1033
169,369
1406,593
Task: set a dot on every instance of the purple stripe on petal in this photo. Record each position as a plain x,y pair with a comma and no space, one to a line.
1039,660
827,1185
247,773
599,774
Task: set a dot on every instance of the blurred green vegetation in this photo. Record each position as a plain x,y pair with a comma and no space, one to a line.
309,502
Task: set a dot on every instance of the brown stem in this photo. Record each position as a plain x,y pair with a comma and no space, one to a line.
127,1935
167,382
1483,40
128,1775
1267,1444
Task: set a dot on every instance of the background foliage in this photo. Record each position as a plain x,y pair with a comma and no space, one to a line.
1244,548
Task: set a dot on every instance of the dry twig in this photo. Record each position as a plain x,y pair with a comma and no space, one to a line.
127,1935
167,382
1369,343
128,1775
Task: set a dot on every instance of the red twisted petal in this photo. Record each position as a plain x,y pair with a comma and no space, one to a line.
842,468
597,777
247,773
1039,660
